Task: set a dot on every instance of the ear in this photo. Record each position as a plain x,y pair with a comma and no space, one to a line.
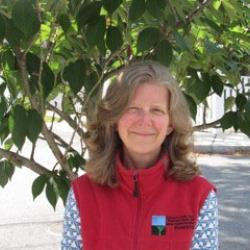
170,129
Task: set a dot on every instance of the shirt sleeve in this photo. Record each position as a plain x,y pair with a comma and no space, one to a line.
206,232
72,239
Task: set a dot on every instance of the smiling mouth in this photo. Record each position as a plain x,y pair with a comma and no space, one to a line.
142,134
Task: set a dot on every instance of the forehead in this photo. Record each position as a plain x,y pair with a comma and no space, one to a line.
150,92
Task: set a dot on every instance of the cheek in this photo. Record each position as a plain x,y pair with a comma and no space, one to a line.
162,125
125,121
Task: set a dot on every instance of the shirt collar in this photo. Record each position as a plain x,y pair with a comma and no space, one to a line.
142,181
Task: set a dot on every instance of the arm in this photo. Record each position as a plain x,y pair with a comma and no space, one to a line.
72,239
206,232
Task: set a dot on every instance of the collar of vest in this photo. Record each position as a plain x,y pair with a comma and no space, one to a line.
141,182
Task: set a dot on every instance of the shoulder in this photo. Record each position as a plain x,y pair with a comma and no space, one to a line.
197,182
82,182
196,189
201,180
81,179
202,188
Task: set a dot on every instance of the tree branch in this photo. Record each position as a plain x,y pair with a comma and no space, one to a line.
68,119
21,59
22,161
63,143
56,151
208,125
194,13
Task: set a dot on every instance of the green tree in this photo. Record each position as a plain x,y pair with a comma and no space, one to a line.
71,47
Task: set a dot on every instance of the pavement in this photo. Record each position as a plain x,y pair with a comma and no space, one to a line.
224,159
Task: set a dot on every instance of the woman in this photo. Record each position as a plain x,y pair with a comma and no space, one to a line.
141,190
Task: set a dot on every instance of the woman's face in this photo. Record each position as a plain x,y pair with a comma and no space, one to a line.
145,122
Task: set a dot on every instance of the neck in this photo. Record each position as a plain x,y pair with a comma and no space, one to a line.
137,161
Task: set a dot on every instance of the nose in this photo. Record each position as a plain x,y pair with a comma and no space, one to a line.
144,118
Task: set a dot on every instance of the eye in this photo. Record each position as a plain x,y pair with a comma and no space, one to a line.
132,109
158,111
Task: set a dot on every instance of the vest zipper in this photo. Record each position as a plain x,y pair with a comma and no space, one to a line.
136,185
136,194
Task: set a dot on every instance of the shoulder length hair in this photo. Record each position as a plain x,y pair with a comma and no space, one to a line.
103,141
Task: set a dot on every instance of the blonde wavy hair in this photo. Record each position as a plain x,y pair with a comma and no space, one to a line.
103,141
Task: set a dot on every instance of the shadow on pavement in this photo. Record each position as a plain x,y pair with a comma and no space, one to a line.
231,175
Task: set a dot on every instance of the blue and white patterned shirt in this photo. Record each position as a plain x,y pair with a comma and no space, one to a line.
205,236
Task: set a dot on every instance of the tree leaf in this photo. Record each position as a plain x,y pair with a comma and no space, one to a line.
164,53
240,101
88,13
34,125
114,38
3,107
95,32
13,35
192,106
136,10
111,5
38,185
74,73
244,124
25,17
33,63
217,85
181,42
64,21
9,59
74,6
63,187
229,102
2,28
200,89
147,39
247,109
8,144
51,194
20,125
212,24
90,82
6,172
2,85
156,7
3,176
4,127
48,80
228,120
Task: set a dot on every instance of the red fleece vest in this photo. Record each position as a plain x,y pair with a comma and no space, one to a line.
147,211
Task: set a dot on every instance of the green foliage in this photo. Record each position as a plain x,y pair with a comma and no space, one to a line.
35,124
6,172
164,53
156,7
38,185
75,73
21,10
2,28
114,38
19,125
24,123
51,192
147,39
136,9
69,48
111,5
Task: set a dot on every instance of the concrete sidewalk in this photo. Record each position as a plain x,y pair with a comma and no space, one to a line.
214,141
33,225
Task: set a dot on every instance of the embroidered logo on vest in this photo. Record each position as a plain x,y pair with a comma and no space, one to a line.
182,222
158,225
160,222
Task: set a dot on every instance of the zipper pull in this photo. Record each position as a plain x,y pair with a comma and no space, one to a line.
136,185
